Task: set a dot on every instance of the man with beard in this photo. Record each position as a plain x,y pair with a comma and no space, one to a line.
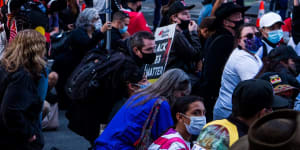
186,49
137,19
217,50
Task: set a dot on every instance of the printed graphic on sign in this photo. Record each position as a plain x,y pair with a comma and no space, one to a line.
163,40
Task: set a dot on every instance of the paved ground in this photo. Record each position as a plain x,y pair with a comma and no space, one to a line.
63,138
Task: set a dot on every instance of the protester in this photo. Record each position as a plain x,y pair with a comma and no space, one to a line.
119,30
217,50
242,64
22,64
23,15
140,47
52,93
251,100
287,30
282,87
125,131
164,11
205,10
282,59
137,19
188,115
276,131
295,40
158,5
85,37
270,27
101,6
206,29
69,15
53,18
86,115
186,48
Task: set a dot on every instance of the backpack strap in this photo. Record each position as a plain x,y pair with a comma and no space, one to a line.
150,120
231,128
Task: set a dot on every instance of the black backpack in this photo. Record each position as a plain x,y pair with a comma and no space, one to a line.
60,44
94,67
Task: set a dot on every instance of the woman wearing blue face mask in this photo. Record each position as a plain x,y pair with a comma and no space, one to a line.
243,64
188,114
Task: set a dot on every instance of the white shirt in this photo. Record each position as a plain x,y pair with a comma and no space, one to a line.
240,66
260,51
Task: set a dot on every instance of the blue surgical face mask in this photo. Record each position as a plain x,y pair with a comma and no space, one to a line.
125,28
143,86
196,124
252,45
275,36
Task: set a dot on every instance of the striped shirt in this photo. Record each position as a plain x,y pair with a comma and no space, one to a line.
171,140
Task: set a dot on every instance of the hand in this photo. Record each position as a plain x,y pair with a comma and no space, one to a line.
33,138
193,26
106,26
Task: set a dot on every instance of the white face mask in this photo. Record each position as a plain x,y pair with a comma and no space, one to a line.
196,124
98,24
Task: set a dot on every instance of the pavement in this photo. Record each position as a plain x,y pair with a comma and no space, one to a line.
63,138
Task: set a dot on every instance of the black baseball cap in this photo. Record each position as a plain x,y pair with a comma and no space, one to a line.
283,53
226,9
258,94
177,7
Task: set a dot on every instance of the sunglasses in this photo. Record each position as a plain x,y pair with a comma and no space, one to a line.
251,35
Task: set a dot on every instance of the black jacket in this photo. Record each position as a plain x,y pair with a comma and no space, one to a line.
20,111
296,24
217,50
64,64
185,51
85,116
116,40
67,17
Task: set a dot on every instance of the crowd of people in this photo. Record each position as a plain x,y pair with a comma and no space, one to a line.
223,79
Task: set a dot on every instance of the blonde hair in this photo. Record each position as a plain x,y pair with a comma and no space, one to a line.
26,50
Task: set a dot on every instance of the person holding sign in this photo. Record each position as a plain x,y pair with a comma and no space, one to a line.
186,48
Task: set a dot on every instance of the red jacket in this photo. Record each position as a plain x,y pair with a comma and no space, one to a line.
137,22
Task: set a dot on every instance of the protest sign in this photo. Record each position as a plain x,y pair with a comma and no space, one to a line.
163,40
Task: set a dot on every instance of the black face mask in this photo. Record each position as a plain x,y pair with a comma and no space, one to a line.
237,24
148,58
138,8
184,24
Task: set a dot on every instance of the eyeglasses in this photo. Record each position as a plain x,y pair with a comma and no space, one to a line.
251,35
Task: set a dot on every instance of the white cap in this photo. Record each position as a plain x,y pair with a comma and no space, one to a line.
269,19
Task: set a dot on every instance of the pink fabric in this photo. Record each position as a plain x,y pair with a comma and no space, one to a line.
166,143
